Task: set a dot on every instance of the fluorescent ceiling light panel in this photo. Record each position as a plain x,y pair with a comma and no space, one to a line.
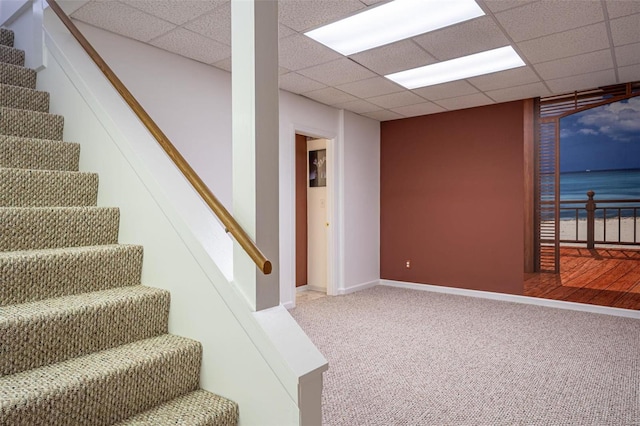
397,20
500,59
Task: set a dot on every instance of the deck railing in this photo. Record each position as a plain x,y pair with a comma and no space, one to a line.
600,222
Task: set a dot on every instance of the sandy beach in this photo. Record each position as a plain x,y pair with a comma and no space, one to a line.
613,235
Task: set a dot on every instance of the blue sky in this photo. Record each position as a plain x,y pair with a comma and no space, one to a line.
603,138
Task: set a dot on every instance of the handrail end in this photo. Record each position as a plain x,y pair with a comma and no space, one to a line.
267,267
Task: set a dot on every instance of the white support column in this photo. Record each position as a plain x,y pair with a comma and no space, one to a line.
254,31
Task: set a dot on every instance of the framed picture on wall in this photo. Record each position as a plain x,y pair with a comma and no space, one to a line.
318,168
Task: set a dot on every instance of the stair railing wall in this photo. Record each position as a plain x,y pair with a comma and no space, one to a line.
231,225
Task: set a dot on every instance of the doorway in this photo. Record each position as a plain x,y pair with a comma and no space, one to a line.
313,204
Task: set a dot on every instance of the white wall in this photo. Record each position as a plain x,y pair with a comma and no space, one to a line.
191,102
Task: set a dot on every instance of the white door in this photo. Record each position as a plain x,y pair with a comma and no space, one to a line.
317,226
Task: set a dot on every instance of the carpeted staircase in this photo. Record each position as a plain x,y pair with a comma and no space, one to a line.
82,342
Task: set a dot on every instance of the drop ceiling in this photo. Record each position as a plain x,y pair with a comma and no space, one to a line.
567,45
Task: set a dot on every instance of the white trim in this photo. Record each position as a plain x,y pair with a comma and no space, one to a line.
302,288
559,304
314,288
358,287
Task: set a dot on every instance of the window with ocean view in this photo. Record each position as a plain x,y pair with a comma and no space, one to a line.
600,152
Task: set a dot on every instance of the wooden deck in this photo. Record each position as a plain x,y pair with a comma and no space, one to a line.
607,277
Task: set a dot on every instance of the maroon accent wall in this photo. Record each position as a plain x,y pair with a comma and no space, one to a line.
452,198
301,210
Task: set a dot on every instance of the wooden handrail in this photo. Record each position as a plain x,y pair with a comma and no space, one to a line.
231,225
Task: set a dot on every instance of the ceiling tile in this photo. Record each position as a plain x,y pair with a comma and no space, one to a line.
446,90
383,115
359,107
520,92
122,19
476,35
308,14
580,64
224,64
625,30
330,96
284,31
297,83
375,86
618,8
504,79
192,45
500,5
581,82
370,2
395,100
569,43
337,72
70,7
468,101
550,17
175,11
399,56
628,55
299,51
629,74
419,109
215,25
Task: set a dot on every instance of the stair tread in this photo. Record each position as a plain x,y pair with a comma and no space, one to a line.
50,188
198,408
34,153
25,123
6,37
16,75
64,250
70,374
25,98
11,55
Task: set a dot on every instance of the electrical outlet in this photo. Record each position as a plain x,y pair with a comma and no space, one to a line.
408,264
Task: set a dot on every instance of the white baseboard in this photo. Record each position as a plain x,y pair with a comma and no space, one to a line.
572,306
302,288
358,287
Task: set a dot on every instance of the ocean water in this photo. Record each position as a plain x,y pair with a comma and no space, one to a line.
607,185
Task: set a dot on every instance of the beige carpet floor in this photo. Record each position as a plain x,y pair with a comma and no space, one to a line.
406,357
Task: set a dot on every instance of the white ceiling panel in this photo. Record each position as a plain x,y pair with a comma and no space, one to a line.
618,8
500,5
175,11
308,14
568,43
296,83
338,72
446,90
187,43
418,109
122,19
299,51
519,92
468,101
215,25
383,115
370,87
330,96
359,106
551,17
504,79
580,64
581,82
463,39
284,31
399,56
626,30
395,100
225,64
630,73
628,55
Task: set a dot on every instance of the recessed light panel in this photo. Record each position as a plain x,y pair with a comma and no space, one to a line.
500,59
393,21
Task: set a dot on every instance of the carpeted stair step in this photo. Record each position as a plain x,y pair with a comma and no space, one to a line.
31,124
47,188
15,75
34,275
54,330
199,408
30,228
11,55
6,37
23,98
41,154
104,387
